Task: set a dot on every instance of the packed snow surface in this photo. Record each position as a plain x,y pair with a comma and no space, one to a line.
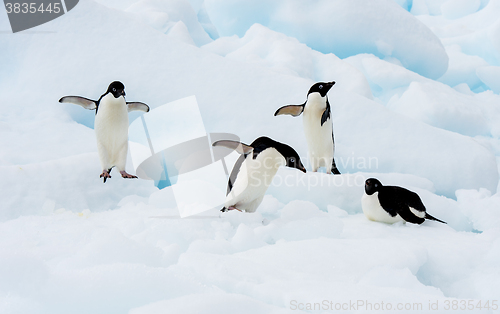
416,104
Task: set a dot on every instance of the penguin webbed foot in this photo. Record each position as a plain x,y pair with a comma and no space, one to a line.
105,174
126,175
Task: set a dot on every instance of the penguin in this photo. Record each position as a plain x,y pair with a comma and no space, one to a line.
111,126
254,170
318,131
391,204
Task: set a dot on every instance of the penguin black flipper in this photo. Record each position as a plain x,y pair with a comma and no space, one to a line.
326,114
234,173
334,168
241,148
139,106
81,101
407,215
293,110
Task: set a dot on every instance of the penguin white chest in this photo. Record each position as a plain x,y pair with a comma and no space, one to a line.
319,137
374,211
253,179
111,129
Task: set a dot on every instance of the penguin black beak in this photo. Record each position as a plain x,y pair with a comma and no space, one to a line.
303,169
123,93
329,85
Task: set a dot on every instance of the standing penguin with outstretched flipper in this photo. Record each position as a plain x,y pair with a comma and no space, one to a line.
111,126
254,170
317,128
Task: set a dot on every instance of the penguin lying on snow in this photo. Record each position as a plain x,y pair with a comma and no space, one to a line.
391,204
318,131
254,170
111,126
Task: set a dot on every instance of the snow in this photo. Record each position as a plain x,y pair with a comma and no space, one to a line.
462,68
490,76
453,9
379,28
443,107
416,104
172,17
287,55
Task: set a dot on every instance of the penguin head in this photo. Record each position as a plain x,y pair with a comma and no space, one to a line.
322,88
117,89
372,185
292,159
294,162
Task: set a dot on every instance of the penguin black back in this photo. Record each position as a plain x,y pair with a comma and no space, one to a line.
396,200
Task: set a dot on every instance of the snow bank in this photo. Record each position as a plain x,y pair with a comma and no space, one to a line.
287,55
480,207
169,16
442,107
142,258
365,130
453,9
490,75
72,182
462,69
477,33
386,78
210,303
422,99
353,27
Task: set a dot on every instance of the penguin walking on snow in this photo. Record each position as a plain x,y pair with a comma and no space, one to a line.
391,204
111,126
254,170
317,128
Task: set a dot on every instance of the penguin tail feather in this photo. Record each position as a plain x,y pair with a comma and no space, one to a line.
427,216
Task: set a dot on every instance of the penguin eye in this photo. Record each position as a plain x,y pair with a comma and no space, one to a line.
321,87
292,160
114,89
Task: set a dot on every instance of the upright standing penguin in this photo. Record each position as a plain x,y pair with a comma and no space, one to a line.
254,170
111,126
317,128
